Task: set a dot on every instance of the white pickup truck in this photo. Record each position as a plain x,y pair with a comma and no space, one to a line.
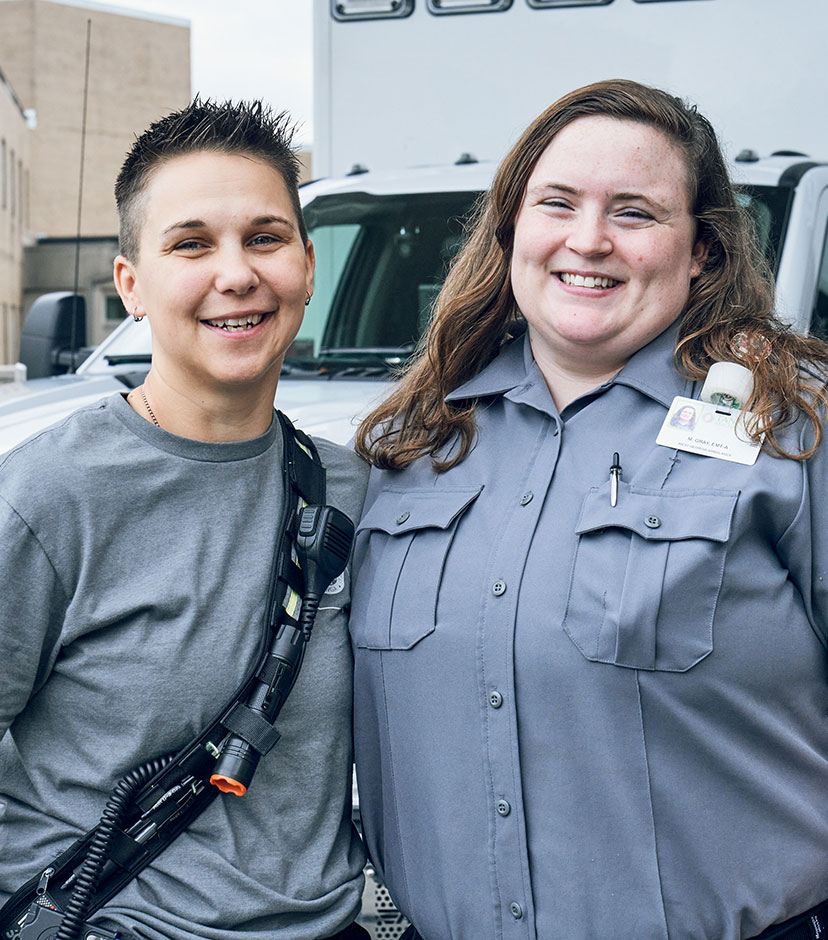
383,242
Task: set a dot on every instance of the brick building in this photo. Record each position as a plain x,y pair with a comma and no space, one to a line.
139,69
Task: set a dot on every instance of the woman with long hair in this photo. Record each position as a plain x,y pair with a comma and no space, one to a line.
590,668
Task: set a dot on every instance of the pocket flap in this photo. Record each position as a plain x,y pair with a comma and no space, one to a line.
396,511
656,514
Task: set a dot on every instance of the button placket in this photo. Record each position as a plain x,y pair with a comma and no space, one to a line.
519,525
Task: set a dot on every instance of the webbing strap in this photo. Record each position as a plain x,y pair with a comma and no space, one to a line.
256,730
302,463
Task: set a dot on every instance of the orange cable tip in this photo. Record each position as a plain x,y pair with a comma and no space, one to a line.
228,785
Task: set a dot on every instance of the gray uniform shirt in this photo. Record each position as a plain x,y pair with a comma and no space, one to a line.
135,568
583,722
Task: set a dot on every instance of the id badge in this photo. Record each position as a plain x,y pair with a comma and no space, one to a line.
710,430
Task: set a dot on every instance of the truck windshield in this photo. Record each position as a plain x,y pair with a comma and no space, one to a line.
380,263
768,207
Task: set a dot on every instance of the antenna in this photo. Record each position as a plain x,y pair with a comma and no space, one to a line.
80,198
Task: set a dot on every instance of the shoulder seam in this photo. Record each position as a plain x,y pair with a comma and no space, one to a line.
38,543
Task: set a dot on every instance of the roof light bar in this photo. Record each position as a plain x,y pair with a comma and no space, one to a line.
443,7
347,10
548,4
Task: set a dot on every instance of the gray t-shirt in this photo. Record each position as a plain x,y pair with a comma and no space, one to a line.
135,569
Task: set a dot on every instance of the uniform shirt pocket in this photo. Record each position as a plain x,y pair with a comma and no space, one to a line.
646,576
399,556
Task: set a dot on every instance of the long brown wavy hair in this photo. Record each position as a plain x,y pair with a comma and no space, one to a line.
475,309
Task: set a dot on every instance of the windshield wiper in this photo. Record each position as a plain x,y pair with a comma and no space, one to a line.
121,358
384,352
301,367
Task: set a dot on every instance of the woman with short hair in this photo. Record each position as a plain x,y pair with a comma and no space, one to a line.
137,543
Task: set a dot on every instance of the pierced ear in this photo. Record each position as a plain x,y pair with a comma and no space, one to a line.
700,252
126,283
310,265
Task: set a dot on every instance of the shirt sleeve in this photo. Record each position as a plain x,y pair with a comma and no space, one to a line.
32,610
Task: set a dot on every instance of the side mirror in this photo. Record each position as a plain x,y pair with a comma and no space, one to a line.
53,331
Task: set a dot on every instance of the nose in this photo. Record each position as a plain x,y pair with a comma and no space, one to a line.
588,235
235,271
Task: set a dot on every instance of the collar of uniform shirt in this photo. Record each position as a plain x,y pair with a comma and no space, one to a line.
652,375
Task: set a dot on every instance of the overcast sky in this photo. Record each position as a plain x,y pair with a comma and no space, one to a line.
247,49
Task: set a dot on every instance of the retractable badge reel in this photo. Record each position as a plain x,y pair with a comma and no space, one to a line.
717,424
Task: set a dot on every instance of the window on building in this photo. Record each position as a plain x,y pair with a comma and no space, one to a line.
3,173
12,198
114,310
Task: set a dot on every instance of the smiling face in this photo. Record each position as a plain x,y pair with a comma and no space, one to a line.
604,245
221,273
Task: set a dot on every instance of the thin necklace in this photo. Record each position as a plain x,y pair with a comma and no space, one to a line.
149,410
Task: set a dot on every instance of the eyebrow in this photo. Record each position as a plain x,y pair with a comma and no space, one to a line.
639,197
188,224
271,219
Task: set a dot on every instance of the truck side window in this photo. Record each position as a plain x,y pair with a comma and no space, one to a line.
381,260
332,246
819,316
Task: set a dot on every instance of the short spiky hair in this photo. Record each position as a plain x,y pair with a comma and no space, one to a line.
245,127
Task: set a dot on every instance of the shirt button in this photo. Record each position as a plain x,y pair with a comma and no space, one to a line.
503,808
554,434
527,498
498,588
652,522
516,910
495,698
403,517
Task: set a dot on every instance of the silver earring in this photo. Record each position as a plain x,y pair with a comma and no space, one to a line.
135,316
307,299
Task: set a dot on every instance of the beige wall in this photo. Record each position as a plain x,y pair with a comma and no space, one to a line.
306,159
14,201
139,70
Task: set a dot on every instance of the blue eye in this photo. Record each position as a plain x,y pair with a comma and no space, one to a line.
264,240
635,214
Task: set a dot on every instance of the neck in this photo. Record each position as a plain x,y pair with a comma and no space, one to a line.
568,379
218,415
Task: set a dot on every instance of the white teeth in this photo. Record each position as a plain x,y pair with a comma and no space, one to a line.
234,324
578,280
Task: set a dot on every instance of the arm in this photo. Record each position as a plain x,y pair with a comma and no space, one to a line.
32,609
803,547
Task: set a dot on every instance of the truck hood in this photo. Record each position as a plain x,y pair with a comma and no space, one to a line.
328,408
